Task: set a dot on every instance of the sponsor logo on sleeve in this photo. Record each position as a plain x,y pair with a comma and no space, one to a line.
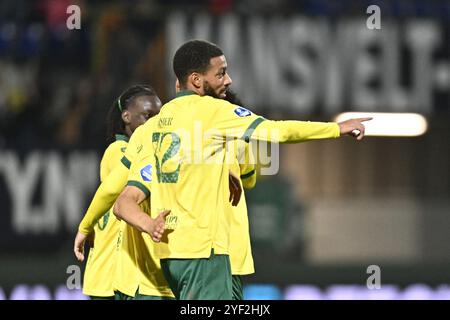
146,173
242,112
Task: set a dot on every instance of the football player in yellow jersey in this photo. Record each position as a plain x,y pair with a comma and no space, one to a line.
125,282
187,155
240,248
134,106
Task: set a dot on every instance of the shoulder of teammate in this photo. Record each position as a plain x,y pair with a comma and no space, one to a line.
115,149
111,157
137,141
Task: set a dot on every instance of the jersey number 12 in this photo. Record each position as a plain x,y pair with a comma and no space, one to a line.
160,139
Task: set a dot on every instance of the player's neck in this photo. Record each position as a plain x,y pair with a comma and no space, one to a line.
128,131
191,88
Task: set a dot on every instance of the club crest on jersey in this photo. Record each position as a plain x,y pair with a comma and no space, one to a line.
242,112
146,173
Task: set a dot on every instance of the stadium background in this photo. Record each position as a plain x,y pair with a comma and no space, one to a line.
334,209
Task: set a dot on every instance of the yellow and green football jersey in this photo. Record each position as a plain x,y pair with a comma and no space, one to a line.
188,154
142,173
100,266
197,200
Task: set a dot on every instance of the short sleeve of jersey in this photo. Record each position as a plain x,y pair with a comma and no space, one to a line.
141,170
235,121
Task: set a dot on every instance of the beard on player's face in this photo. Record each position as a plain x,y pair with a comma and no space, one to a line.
232,97
209,91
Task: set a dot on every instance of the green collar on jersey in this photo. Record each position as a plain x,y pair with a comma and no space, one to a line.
184,93
122,137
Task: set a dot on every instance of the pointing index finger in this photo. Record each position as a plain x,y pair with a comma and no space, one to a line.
364,119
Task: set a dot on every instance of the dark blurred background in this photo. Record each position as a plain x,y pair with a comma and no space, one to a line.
335,207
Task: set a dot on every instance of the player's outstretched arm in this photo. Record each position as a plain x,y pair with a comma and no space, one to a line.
127,208
292,131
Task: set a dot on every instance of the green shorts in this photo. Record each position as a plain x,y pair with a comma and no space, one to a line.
199,279
122,296
238,289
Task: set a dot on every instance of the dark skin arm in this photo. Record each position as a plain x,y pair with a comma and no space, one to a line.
127,208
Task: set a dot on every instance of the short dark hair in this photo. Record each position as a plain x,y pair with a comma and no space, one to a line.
194,56
114,120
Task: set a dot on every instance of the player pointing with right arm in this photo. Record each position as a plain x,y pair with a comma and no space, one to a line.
195,252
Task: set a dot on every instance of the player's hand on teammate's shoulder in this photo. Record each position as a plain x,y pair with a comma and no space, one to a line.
353,127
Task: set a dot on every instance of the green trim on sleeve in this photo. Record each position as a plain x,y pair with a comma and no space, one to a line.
140,186
248,133
247,175
126,162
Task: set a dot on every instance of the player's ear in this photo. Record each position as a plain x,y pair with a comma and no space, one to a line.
196,79
126,117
